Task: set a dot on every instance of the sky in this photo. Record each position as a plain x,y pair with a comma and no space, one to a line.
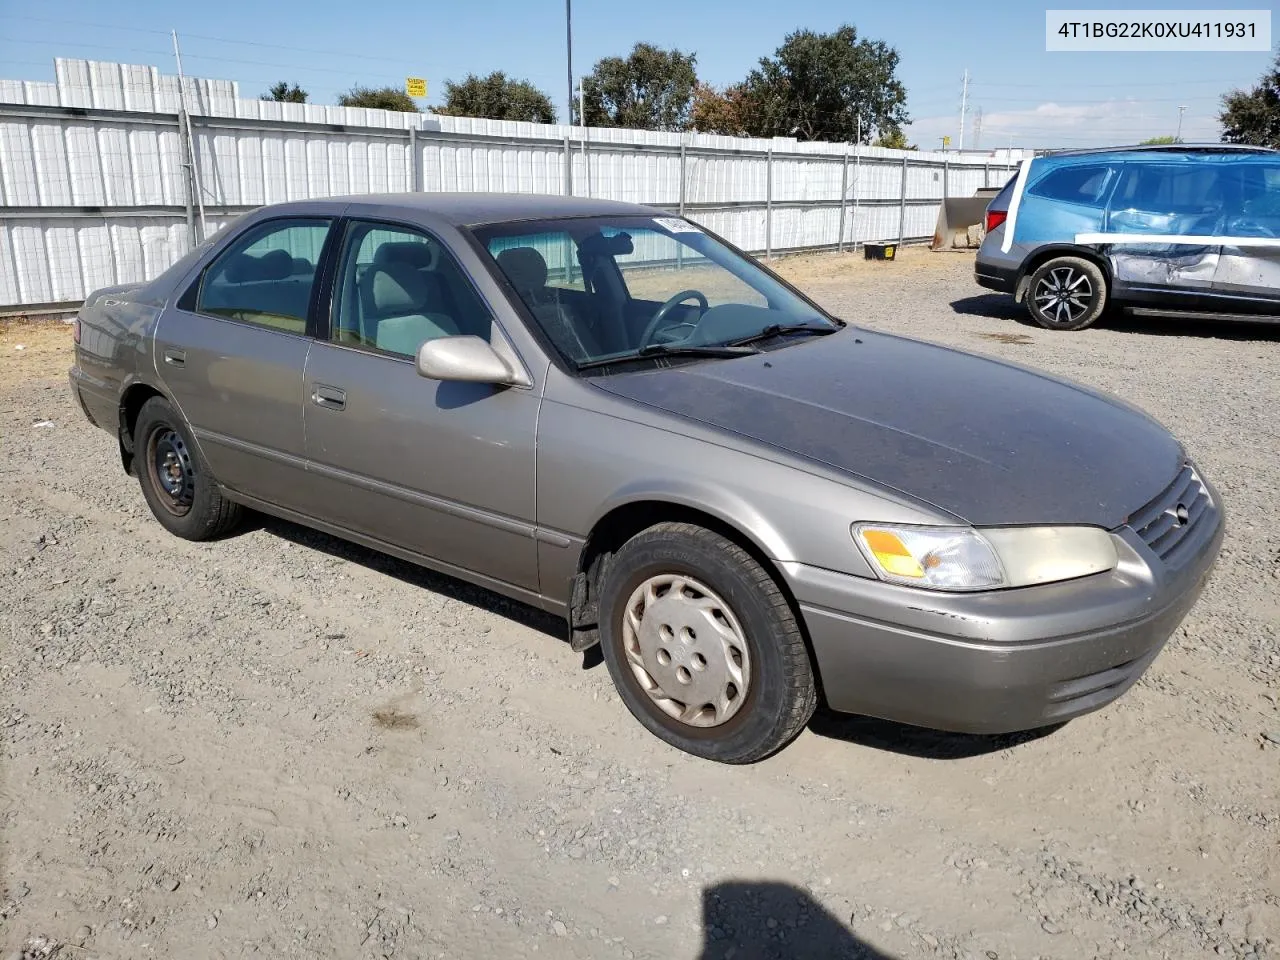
1027,97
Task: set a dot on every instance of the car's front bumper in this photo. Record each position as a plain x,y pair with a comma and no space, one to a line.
998,661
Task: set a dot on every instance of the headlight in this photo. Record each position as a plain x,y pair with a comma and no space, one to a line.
963,558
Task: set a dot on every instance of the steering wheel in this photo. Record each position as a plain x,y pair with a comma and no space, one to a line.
647,337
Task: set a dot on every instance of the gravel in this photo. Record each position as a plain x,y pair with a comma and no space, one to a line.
285,745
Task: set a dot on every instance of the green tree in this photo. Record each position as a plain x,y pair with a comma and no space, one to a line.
497,97
818,85
1158,141
286,93
652,89
380,98
895,140
1253,116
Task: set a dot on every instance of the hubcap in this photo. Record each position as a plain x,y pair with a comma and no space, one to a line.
1063,295
687,650
172,470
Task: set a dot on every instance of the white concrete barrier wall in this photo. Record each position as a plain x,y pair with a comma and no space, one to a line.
90,198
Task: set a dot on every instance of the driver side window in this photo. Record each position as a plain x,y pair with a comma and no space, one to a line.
398,287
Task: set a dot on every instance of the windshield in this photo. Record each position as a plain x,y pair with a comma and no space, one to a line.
606,289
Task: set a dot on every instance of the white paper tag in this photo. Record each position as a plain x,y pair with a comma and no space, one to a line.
676,225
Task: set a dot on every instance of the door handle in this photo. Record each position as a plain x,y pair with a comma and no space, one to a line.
331,398
175,358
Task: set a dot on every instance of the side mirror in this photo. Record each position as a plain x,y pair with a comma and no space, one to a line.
467,359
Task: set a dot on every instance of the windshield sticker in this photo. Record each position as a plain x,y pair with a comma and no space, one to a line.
675,225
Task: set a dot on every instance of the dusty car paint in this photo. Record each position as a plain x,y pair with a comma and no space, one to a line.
505,486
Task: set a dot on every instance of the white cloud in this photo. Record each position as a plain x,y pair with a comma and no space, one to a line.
1071,125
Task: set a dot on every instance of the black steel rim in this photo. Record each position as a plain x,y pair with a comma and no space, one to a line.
173,473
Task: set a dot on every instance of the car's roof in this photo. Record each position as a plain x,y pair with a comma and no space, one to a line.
1190,149
469,209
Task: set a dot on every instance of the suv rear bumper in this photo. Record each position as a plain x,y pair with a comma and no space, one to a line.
1002,279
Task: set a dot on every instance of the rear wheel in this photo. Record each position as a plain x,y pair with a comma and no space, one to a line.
176,482
1066,293
703,647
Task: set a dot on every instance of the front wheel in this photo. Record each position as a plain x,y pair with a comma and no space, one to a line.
703,647
1066,293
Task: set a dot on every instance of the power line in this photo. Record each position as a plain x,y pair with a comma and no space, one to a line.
165,33
1041,86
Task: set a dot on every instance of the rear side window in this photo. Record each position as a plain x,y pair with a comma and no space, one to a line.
1001,200
1172,189
266,276
1077,184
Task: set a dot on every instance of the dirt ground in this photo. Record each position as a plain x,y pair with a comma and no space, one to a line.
280,745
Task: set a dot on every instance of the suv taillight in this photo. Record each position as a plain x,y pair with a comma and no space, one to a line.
995,218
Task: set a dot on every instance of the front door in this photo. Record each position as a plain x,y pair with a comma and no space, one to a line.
232,351
1159,203
445,470
1249,270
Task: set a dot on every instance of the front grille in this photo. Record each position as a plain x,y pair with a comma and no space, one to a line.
1167,520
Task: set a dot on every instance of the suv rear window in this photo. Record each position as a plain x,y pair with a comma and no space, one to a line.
1080,184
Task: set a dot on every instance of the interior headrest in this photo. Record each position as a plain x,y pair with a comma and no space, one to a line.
524,267
272,265
398,288
410,252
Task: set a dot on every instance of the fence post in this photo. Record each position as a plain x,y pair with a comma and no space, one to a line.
946,177
902,209
682,175
844,196
568,167
986,173
188,180
857,197
415,162
768,204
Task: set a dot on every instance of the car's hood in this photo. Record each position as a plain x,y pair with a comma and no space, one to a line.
986,441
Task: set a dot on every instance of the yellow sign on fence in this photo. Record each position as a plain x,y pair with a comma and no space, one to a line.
415,86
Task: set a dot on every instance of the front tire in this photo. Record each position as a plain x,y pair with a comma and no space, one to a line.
176,482
1066,293
703,647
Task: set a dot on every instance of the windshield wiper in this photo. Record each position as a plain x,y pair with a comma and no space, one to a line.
783,330
672,350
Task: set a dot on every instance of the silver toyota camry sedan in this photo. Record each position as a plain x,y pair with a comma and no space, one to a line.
612,414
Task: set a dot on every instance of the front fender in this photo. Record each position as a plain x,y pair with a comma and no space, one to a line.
589,463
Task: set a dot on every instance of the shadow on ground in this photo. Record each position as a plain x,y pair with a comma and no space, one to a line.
412,574
1000,306
749,920
917,741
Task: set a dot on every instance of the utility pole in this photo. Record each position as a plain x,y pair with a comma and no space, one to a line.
197,187
964,107
568,49
1178,136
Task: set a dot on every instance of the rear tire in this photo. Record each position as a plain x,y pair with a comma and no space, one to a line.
703,647
1066,293
176,482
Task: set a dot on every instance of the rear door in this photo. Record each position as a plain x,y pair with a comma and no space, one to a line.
232,350
1159,202
1250,268
445,470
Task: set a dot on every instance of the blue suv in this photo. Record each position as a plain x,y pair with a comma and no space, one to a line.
1179,229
